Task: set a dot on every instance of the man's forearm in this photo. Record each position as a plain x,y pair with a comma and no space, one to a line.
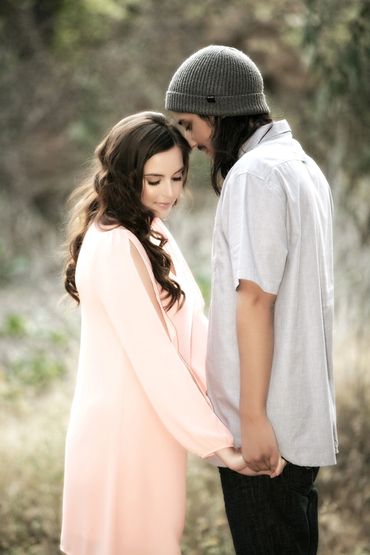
255,330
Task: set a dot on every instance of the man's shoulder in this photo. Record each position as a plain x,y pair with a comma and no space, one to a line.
267,156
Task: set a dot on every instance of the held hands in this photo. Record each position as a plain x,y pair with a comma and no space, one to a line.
260,453
233,459
260,448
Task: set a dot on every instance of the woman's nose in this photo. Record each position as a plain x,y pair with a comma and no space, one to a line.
167,187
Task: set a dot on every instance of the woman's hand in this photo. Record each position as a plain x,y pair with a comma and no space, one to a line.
234,460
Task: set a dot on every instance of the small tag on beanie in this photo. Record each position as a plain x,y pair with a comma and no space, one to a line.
211,99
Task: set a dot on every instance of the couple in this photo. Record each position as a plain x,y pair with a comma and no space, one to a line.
264,411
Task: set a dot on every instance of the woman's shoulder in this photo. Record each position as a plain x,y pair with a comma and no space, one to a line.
114,240
113,232
106,238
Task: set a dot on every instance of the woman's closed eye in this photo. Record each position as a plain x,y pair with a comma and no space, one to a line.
177,178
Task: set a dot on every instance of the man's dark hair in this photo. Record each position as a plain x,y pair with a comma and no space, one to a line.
229,134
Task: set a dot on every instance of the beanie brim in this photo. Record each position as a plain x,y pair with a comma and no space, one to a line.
217,105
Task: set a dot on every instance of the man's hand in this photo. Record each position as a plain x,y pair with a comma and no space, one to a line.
233,459
260,449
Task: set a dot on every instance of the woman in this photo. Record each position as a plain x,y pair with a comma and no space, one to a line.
140,401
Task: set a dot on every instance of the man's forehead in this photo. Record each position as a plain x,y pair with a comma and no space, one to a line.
182,116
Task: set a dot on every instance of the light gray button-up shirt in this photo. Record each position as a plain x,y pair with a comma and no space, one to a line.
273,226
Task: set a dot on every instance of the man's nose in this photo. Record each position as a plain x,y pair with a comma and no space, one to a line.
189,138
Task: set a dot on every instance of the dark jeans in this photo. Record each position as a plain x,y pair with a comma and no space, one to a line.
272,516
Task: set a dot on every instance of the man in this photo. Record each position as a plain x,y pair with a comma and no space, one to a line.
269,363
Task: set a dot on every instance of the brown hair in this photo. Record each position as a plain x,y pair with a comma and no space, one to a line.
228,136
112,194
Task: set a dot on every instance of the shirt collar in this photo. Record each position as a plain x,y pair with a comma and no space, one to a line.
265,133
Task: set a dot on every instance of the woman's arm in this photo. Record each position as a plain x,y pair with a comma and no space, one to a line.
126,292
228,455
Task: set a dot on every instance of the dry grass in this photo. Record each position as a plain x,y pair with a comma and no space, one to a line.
33,421
31,455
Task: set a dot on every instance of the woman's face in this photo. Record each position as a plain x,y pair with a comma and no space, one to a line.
163,181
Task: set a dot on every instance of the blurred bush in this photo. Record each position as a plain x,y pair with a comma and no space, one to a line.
69,70
32,358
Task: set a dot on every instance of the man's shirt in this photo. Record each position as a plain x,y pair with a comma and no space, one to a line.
273,226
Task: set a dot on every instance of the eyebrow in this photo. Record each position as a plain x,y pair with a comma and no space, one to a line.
161,175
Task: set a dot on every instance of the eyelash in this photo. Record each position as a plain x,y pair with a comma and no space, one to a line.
158,182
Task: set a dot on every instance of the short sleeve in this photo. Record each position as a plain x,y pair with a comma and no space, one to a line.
167,382
254,212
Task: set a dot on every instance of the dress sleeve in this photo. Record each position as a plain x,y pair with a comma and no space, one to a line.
169,385
199,332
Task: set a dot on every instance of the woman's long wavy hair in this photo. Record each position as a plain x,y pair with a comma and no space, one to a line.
112,195
228,135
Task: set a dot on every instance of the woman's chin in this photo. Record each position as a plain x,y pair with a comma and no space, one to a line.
162,213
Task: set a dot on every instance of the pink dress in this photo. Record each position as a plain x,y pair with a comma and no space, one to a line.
140,403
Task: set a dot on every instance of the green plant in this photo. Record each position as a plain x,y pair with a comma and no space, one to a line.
38,371
14,325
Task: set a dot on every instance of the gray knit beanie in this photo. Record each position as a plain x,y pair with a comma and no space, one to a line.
218,81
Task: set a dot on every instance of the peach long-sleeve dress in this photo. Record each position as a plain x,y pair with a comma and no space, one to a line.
140,403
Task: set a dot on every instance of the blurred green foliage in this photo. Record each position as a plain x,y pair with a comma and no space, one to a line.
11,267
37,371
32,357
14,326
70,69
337,40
